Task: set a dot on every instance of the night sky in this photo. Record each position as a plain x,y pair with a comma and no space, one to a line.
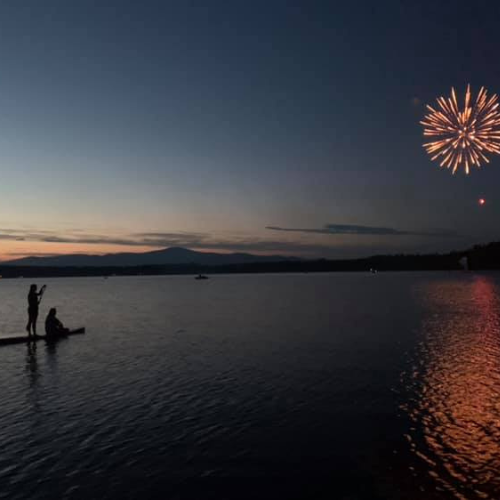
262,126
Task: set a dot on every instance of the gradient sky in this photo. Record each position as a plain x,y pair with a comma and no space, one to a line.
133,125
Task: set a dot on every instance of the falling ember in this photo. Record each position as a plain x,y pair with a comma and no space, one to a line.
463,138
481,201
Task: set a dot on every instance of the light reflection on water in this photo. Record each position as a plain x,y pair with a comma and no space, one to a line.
455,410
179,386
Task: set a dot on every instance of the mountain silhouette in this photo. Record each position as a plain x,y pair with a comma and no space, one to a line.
166,256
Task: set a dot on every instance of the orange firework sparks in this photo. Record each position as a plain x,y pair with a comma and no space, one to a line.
463,137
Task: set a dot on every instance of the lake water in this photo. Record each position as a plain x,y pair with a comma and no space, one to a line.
338,386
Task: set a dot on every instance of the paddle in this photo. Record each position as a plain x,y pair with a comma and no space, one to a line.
42,291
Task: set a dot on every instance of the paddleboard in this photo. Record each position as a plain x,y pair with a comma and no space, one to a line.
24,339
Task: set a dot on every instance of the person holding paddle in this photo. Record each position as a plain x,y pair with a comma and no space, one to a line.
34,299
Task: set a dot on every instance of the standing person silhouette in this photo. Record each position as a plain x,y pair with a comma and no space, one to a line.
34,299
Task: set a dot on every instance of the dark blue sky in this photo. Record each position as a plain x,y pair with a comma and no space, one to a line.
204,122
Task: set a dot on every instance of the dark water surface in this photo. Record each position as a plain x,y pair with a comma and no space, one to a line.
338,386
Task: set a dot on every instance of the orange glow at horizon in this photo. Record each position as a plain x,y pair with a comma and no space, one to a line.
11,250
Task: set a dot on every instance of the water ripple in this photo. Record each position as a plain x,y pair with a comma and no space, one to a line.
456,385
177,388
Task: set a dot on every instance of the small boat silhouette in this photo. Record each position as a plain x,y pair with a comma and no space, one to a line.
201,277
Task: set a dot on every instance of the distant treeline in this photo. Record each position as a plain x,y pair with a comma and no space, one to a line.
480,257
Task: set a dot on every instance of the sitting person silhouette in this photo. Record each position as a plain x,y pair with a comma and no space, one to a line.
53,327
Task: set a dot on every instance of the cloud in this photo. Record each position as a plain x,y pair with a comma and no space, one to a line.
79,236
160,239
195,240
229,242
351,229
234,244
32,254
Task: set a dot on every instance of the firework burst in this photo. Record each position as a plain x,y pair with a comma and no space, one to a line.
463,138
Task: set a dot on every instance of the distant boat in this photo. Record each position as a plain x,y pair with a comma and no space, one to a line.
373,271
464,262
201,277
